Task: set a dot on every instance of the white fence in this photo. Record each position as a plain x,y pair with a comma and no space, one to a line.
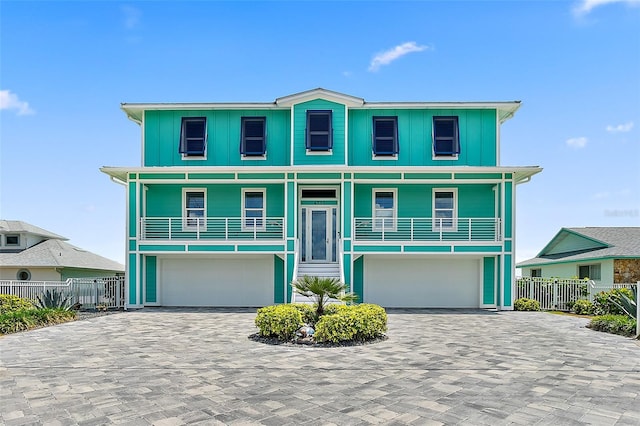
559,293
89,293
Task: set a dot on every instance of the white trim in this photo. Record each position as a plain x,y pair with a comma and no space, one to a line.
253,157
185,224
318,152
143,128
374,210
497,139
243,208
346,134
454,219
292,130
375,157
443,157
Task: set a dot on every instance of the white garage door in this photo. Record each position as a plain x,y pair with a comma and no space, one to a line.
216,281
412,282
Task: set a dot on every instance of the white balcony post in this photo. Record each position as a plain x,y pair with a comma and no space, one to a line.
440,228
469,225
255,229
412,229
226,228
170,228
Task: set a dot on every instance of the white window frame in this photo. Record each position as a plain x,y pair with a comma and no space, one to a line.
6,242
374,210
538,270
435,222
590,266
246,227
185,222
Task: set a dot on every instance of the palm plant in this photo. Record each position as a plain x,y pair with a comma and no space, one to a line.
53,298
322,290
628,304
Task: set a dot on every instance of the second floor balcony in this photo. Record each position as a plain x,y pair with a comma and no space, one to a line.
212,228
426,229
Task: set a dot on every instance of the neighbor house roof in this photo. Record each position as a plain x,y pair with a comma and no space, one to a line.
18,226
578,244
58,254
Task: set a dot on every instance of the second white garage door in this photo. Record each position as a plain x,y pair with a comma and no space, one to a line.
411,282
216,281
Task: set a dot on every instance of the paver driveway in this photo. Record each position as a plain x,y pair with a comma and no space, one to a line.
169,367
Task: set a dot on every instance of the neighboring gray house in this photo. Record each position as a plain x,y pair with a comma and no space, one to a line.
603,254
28,252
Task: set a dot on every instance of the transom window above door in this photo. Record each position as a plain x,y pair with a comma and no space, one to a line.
319,132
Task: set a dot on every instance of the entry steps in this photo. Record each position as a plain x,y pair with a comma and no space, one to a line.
325,270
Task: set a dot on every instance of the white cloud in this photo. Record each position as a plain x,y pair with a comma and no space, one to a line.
584,7
620,127
347,73
388,56
10,101
131,16
577,142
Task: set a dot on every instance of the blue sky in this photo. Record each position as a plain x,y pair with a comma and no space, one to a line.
67,66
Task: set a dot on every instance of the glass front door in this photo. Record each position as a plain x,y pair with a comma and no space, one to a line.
318,234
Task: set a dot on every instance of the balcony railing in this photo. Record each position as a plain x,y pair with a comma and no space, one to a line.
211,228
426,229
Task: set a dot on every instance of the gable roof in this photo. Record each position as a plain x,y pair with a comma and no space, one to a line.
135,111
18,226
56,253
578,244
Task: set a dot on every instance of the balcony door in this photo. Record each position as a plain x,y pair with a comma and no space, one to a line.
319,234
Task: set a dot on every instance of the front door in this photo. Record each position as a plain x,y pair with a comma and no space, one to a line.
318,234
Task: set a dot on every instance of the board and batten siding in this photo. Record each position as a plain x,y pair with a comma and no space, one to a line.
477,130
416,200
223,200
162,138
300,155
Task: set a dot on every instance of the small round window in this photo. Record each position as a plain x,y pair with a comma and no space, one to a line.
23,275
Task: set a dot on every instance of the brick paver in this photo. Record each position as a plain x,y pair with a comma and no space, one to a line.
175,367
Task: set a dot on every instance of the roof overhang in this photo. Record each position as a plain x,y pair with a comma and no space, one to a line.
521,174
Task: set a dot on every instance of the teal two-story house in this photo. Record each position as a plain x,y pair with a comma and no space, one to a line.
406,202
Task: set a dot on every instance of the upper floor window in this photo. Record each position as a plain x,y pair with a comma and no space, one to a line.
319,135
193,136
385,136
446,140
253,209
195,210
590,271
445,209
12,240
253,136
384,209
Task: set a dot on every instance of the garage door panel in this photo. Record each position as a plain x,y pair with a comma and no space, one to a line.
216,281
422,283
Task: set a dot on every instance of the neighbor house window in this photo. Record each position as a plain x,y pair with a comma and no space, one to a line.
444,209
195,210
589,271
446,140
385,136
193,136
319,134
23,275
12,240
536,273
384,209
253,209
253,141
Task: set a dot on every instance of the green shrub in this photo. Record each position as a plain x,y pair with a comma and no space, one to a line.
604,302
524,304
12,303
352,323
583,307
616,324
279,321
307,311
26,319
